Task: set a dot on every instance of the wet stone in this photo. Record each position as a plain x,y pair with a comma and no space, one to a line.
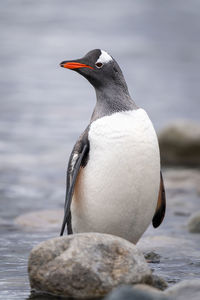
40,220
138,292
86,265
181,213
152,257
194,223
159,283
184,290
180,143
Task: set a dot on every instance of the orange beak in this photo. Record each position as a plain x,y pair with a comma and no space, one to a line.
74,65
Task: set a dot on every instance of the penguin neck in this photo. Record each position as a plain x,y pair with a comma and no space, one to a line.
112,99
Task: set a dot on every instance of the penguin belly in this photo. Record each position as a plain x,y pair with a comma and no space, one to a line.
117,191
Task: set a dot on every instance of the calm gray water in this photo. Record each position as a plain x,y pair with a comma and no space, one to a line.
43,108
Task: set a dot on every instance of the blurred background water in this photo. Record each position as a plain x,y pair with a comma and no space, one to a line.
44,108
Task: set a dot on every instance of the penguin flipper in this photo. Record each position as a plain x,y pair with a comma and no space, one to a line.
78,159
161,205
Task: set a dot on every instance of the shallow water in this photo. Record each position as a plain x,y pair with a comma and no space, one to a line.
178,249
44,108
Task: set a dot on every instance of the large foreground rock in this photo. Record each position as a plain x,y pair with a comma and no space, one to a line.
86,265
180,144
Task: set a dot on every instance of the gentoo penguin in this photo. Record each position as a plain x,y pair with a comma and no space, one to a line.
114,181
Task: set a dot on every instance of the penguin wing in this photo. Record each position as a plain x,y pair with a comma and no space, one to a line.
161,205
78,159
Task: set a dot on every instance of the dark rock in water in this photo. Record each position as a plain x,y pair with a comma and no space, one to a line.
39,296
159,283
180,144
86,265
194,223
184,290
181,213
139,292
152,257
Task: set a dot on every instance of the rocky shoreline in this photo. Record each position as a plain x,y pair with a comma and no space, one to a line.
93,265
171,251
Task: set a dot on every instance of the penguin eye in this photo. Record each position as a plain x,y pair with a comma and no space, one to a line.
99,65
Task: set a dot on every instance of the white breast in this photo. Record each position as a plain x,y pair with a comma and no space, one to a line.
117,191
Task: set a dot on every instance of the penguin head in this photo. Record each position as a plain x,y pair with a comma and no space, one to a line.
98,67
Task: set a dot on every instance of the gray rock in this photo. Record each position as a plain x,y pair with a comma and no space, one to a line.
40,220
139,292
194,223
86,265
159,283
180,143
181,213
152,257
184,290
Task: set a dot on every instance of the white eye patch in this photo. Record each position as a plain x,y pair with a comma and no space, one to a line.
104,57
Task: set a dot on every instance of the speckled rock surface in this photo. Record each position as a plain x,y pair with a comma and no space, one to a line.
180,143
86,265
194,223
